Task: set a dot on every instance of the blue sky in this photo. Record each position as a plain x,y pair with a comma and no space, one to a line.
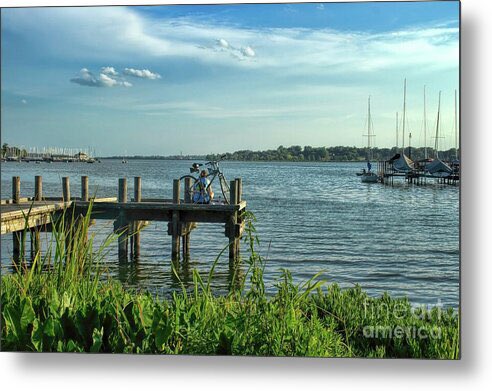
200,79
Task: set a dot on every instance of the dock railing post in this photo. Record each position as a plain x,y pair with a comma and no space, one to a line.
121,224
19,236
15,189
239,190
38,188
84,188
66,189
186,236
135,237
231,226
175,242
35,235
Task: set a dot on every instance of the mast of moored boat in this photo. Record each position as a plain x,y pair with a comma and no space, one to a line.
369,135
404,110
396,131
456,125
436,144
425,129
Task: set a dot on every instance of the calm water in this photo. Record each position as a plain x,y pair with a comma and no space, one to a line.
312,217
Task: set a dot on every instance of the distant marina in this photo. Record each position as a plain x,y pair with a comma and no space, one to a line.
48,155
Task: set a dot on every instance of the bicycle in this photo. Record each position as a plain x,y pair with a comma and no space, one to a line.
214,171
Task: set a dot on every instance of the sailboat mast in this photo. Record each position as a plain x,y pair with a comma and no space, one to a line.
404,110
456,125
436,145
425,129
396,130
369,122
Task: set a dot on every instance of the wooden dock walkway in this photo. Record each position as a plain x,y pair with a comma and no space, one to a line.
38,213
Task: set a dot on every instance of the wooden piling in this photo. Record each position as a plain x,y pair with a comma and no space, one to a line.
135,237
35,243
15,189
186,236
84,188
38,188
122,190
187,187
233,240
18,245
121,224
66,188
175,239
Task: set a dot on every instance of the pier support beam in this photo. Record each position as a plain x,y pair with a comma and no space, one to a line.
66,189
121,223
186,236
232,231
35,243
38,188
17,237
175,238
136,225
84,188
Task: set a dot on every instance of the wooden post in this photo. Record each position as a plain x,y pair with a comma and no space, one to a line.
135,237
137,189
15,189
66,189
232,223
38,188
17,237
84,191
186,237
175,241
186,246
176,191
35,242
239,189
18,245
187,187
122,190
121,225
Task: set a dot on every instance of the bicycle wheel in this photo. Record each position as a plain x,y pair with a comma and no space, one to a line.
224,186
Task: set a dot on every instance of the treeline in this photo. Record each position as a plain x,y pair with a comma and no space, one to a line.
8,150
297,153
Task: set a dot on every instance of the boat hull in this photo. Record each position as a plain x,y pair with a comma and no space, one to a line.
369,178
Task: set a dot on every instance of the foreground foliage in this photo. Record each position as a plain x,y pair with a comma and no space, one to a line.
62,303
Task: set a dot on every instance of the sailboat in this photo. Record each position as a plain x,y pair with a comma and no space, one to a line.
369,176
403,163
437,168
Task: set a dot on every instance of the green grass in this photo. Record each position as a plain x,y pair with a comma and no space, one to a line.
65,303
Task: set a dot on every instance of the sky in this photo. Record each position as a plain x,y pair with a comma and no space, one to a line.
197,79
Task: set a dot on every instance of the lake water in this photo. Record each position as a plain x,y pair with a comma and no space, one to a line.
312,217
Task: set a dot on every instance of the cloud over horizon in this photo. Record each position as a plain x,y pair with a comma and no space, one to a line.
87,78
142,73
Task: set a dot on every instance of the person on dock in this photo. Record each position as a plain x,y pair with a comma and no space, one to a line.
202,192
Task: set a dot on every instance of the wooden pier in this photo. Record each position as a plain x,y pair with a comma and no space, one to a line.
387,175
38,213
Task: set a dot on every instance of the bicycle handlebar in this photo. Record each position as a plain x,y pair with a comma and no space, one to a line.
221,157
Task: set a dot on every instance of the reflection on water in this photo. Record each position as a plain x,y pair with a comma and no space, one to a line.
312,217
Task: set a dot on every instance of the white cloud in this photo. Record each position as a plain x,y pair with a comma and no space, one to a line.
248,51
223,43
24,102
86,78
109,71
142,73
